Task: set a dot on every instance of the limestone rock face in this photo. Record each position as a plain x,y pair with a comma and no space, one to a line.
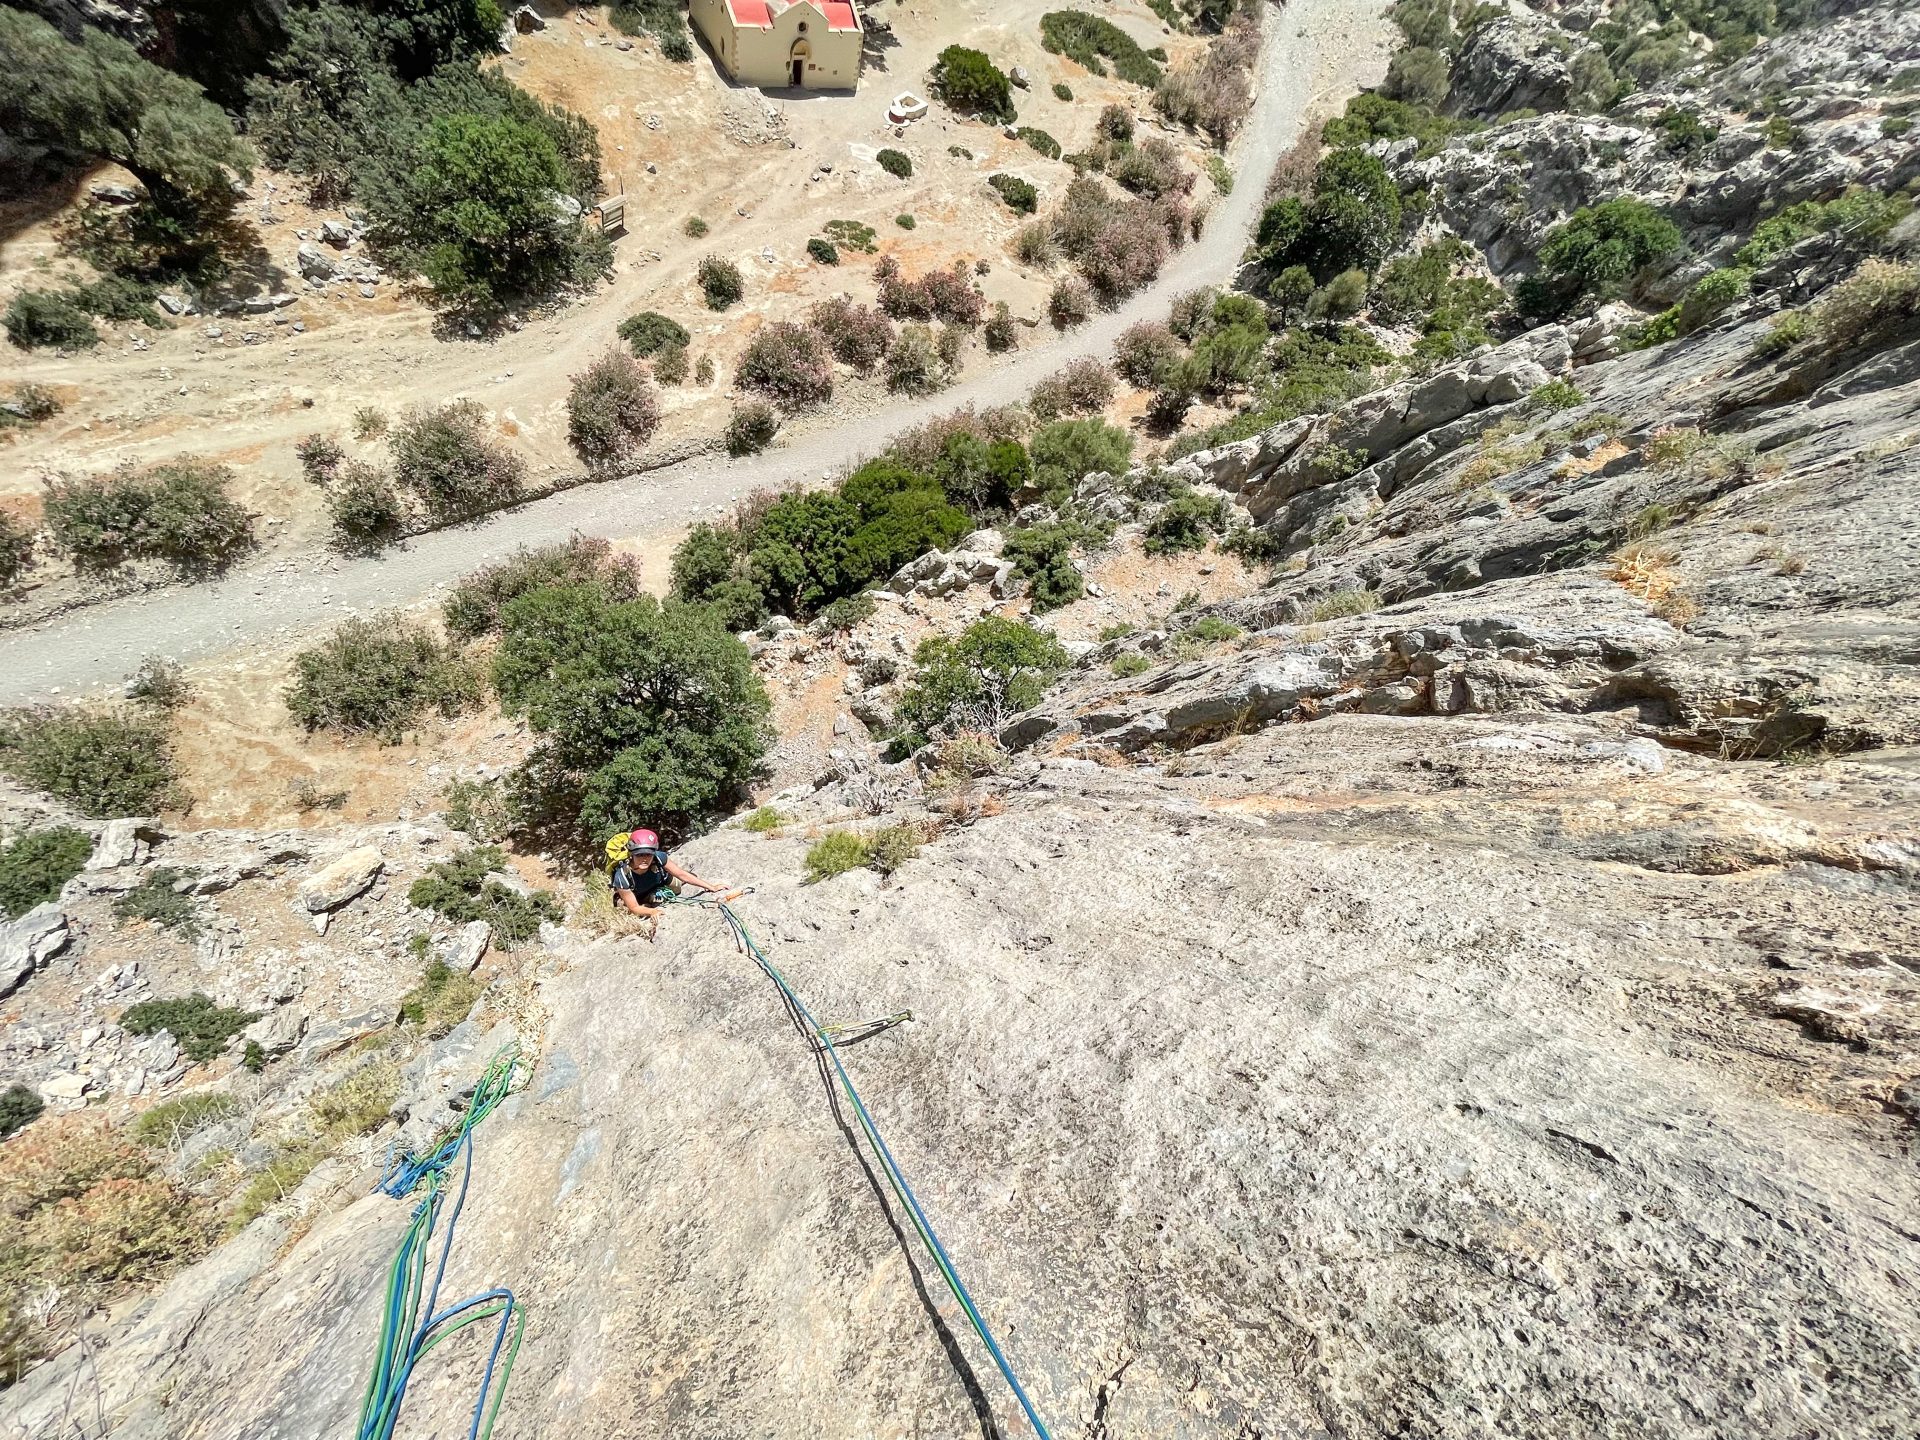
339,881
29,942
1517,62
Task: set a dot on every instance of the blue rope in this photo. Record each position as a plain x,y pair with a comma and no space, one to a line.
891,1167
404,1338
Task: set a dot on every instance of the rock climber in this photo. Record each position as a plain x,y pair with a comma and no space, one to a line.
648,872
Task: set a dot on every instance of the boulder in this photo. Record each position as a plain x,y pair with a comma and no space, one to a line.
341,880
127,841
65,1087
947,572
332,1035
461,950
29,942
314,263
336,233
278,1031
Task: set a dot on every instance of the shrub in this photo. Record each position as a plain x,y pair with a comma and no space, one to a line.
1341,298
851,235
1088,39
1020,196
173,1122
179,514
895,162
447,462
904,221
1152,168
201,1027
650,332
835,853
914,366
979,679
640,708
442,998
19,1108
1184,523
1042,555
1340,604
1214,92
1040,141
377,677
1143,351
750,429
88,1214
823,251
1786,330
1070,303
695,228
1865,214
763,820
612,411
1876,297
17,544
366,511
105,763
368,422
891,846
669,366
999,333
474,608
1556,395
478,809
1066,450
159,684
1419,76
49,319
463,890
1034,245
35,866
1595,252
848,611
790,363
1082,386
320,457
720,282
967,80
858,335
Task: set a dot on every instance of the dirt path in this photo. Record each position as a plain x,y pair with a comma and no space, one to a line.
1316,52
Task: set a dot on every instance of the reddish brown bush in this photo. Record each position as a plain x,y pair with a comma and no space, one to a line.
1143,351
1215,92
1152,168
1071,302
1081,388
858,335
789,363
1125,256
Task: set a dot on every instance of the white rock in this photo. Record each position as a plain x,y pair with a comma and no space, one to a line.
65,1087
29,942
339,881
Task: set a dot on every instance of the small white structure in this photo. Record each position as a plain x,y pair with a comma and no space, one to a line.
775,44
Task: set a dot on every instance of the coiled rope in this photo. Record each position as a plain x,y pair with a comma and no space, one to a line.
823,1041
405,1339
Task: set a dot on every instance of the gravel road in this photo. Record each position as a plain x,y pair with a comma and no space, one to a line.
1316,51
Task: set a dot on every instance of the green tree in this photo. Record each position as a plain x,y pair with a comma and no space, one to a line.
1596,251
1418,76
1066,450
98,96
484,211
978,679
967,80
644,711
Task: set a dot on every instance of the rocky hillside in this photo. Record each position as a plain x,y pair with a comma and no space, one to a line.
1448,972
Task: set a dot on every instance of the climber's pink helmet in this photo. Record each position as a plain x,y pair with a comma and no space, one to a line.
642,840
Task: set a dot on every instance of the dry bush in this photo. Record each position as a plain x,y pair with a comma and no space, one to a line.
1143,351
1153,169
858,335
922,447
1126,256
914,365
1293,172
1647,572
84,1215
948,295
612,411
1033,244
1083,386
790,363
1880,294
1071,302
1214,92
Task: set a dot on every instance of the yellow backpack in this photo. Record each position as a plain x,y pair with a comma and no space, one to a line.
617,850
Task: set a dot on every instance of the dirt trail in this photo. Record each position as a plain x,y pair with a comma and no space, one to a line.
1316,52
